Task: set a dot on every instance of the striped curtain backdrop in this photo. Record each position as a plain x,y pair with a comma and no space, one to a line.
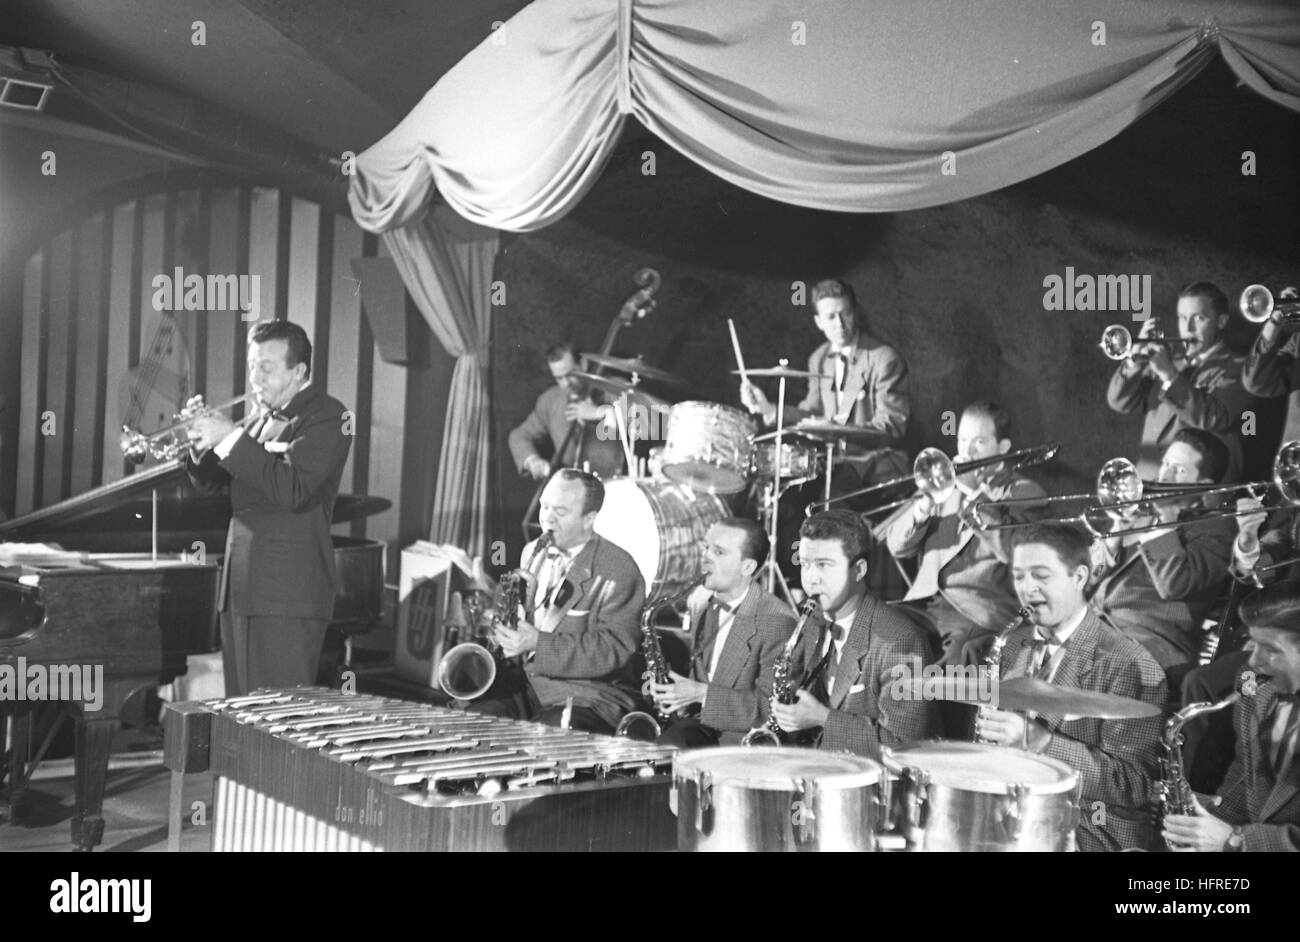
88,319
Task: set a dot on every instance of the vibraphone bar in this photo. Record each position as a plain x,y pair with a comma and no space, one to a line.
318,769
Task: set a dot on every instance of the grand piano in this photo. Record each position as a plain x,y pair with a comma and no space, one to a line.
111,605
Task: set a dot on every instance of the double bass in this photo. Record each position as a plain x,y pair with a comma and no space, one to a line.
638,305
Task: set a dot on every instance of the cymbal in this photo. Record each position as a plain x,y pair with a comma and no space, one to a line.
635,366
619,387
1020,694
779,372
834,432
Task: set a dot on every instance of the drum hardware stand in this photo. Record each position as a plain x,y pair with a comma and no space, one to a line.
774,573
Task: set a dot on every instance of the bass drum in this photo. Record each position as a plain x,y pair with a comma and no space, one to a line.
662,525
770,798
978,797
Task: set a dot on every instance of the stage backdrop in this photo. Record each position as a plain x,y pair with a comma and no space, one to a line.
88,317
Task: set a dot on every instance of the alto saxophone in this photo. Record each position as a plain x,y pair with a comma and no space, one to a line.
656,664
785,689
1174,791
993,661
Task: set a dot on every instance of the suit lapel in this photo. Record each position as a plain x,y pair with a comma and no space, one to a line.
577,580
855,651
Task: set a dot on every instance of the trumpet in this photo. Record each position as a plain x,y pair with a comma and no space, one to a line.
1117,342
169,443
935,474
1258,305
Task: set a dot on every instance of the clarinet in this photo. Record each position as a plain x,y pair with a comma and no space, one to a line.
785,689
993,661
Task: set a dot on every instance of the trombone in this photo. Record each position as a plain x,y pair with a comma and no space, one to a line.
935,474
168,443
1217,501
1258,305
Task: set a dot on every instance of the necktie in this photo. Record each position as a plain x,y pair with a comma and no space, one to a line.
709,627
556,559
1041,660
819,680
841,371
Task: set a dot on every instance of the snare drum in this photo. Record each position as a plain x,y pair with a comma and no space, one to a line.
798,461
773,798
662,525
978,797
707,447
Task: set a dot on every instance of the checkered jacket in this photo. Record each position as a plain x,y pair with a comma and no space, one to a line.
1267,806
1117,761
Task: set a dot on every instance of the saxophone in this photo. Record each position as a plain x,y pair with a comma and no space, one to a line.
1174,791
785,689
656,666
993,661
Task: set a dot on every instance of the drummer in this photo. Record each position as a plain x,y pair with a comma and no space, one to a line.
863,382
859,381
1066,645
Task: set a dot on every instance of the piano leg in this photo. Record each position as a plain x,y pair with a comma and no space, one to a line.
95,732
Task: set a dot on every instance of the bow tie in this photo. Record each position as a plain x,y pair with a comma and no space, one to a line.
1291,698
1038,642
718,605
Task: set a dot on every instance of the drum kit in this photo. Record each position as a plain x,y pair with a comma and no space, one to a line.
923,796
710,451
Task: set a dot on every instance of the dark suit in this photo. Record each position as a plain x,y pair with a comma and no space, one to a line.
865,713
547,423
1267,806
1209,396
594,652
279,562
1116,761
1158,592
739,694
961,568
1275,371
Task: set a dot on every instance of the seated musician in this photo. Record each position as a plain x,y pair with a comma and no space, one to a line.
1258,805
1156,587
962,586
1201,389
593,442
1066,644
859,380
735,638
1266,542
580,630
848,659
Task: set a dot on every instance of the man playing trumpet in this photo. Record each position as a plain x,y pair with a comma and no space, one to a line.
737,631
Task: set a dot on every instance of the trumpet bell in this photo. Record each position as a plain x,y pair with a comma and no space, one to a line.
1286,471
934,474
1116,342
1256,304
467,671
760,736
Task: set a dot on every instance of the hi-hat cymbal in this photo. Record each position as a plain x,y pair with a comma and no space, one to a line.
779,372
1021,694
834,432
635,366
619,387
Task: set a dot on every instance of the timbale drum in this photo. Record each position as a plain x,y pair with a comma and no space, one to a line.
799,462
663,526
776,799
708,447
957,796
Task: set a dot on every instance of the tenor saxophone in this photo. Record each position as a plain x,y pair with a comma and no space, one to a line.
785,689
656,664
993,661
1174,790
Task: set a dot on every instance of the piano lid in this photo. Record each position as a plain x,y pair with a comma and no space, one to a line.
116,517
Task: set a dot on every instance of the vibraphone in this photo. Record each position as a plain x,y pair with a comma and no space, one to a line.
318,769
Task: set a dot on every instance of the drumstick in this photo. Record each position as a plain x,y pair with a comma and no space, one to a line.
735,345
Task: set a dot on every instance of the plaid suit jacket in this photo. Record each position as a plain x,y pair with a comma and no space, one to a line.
863,712
594,653
1161,591
739,694
1268,807
1117,761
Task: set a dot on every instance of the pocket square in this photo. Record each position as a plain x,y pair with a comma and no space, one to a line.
277,448
578,612
857,688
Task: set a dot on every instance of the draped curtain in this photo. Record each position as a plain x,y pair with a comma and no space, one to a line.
849,105
446,265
